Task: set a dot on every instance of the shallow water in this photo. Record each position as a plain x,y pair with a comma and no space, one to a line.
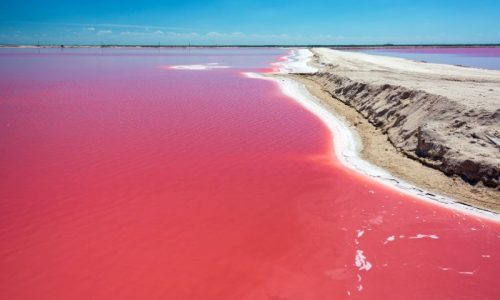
477,57
123,177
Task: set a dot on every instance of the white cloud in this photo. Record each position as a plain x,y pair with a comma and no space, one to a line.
182,35
90,28
103,32
237,34
213,34
126,33
158,32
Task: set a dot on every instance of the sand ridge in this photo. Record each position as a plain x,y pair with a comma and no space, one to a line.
379,150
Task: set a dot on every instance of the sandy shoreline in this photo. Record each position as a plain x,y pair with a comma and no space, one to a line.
444,116
366,149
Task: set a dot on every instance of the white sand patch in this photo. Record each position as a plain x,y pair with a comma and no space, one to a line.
360,286
389,239
467,273
298,61
361,262
423,236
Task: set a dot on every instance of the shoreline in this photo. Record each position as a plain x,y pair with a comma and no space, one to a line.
350,143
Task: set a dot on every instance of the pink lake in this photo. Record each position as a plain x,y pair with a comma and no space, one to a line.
125,179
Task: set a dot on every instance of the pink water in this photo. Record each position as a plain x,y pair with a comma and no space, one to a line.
125,179
478,57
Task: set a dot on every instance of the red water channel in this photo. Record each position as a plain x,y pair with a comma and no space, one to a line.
122,178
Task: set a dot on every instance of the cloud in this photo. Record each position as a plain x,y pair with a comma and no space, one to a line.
239,35
182,35
90,28
214,34
103,32
159,34
127,33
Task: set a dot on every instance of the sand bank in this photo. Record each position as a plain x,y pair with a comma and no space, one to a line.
447,117
365,148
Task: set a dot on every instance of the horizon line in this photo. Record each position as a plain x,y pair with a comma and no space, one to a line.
57,45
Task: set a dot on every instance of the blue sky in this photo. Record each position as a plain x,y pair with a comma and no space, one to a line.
249,22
